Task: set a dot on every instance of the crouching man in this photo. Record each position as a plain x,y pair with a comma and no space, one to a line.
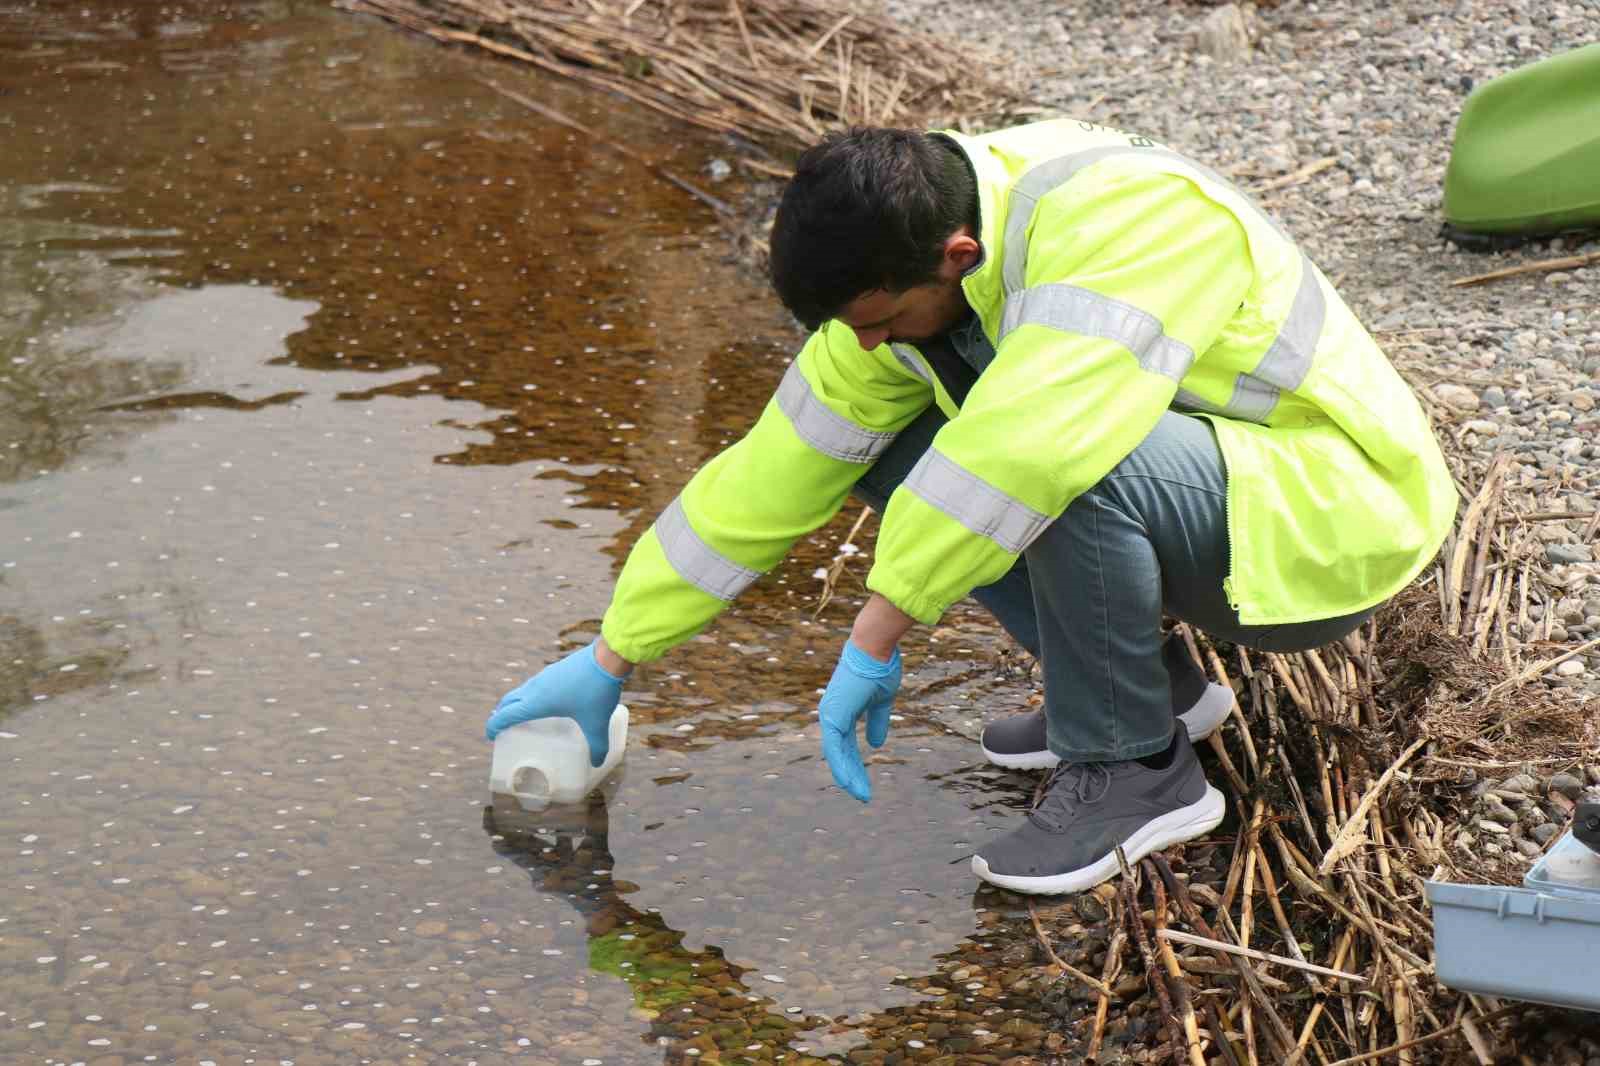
1088,382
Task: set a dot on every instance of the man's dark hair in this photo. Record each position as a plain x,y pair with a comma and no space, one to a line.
868,208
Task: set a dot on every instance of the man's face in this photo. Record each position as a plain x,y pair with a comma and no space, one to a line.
917,314
922,312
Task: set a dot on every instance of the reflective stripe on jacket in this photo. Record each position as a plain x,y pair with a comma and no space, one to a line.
1117,280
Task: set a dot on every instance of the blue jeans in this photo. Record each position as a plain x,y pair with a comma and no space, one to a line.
1087,596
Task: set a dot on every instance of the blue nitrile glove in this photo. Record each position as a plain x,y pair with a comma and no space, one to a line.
575,687
860,685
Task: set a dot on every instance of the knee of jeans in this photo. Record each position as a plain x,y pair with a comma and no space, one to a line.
1082,518
1105,498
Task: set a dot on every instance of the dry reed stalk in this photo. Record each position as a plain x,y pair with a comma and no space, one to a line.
1335,792
1484,625
1140,936
1521,517
1241,848
1386,867
1295,177
1180,985
1191,914
1350,837
1475,1040
836,567
1484,1055
1247,1019
1486,496
1396,955
1310,1026
1259,956
1248,673
1402,1023
1108,974
1270,888
1296,867
737,11
1544,266
1590,530
1201,964
1491,514
1247,906
1334,691
1538,668
1219,1026
1220,750
1060,963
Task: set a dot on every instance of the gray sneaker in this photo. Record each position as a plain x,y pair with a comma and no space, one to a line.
1069,842
1017,742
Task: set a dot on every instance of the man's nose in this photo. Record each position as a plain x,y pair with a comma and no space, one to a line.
870,338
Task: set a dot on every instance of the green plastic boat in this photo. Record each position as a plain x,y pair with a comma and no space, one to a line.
1526,157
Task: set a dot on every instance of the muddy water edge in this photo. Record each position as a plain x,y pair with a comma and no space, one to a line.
334,387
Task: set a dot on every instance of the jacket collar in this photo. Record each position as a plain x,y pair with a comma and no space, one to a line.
981,283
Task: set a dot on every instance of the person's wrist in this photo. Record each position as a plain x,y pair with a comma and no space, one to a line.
610,661
878,628
878,650
866,664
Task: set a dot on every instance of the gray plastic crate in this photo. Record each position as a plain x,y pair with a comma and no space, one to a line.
1538,943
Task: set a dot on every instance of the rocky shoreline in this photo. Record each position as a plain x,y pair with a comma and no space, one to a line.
1339,118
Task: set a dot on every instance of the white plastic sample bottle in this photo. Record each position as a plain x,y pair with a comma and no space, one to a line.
1571,863
546,761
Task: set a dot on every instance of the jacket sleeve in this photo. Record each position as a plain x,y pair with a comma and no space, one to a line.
1129,273
835,411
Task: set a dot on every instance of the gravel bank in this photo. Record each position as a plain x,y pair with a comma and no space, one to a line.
1372,90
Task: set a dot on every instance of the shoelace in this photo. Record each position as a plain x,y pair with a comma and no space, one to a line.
1070,784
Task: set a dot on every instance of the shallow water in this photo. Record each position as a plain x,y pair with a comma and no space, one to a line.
333,388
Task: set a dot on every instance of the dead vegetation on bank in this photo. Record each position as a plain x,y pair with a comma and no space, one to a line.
775,73
1357,772
1351,771
1354,771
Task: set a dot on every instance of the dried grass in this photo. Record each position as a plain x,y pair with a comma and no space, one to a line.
777,73
1366,751
1350,771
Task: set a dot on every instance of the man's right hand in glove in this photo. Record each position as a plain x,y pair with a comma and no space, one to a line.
575,687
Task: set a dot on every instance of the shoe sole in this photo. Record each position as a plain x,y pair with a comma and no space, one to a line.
1027,760
1199,721
1185,823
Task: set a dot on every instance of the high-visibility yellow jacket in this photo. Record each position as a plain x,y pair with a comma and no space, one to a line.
1118,280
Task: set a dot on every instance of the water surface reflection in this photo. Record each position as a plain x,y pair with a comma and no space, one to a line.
332,388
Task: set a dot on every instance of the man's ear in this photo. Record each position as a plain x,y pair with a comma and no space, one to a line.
961,252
